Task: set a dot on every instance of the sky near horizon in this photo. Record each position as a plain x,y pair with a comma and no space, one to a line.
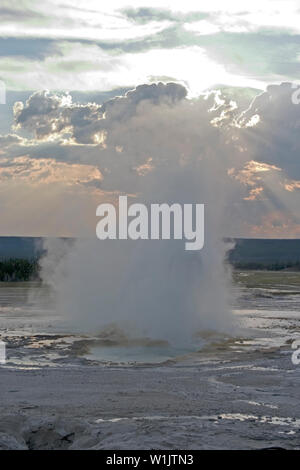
82,124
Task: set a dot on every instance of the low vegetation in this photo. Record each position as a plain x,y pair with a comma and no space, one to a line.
16,269
267,266
19,270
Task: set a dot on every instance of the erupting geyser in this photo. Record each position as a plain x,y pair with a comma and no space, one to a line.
153,288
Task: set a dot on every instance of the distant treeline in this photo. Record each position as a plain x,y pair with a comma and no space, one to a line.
19,270
28,270
268,254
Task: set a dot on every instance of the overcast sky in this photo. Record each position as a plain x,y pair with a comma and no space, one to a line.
92,45
67,143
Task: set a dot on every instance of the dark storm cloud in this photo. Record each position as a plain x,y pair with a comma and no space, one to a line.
275,138
155,128
45,114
